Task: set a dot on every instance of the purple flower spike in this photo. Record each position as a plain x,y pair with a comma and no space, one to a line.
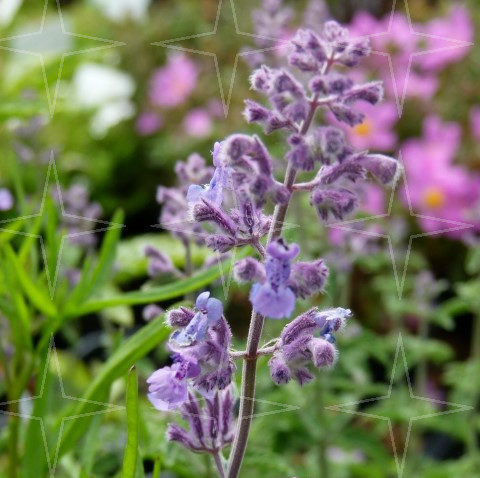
210,426
274,298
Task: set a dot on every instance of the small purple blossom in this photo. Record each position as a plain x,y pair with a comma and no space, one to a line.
167,387
308,339
209,312
274,298
6,199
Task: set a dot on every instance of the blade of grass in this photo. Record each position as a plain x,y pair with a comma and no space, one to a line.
131,449
37,296
155,294
136,347
106,257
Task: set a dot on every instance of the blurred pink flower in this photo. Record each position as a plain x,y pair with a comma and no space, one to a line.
456,25
475,121
197,123
373,201
436,187
413,76
376,131
172,84
148,123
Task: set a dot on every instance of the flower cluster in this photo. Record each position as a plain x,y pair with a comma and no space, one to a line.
232,208
175,211
210,426
277,282
299,345
201,361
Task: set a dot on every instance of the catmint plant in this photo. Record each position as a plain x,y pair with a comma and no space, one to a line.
233,207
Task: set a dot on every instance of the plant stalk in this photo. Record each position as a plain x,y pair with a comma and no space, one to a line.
249,370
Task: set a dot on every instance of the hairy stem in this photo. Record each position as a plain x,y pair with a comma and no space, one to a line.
219,462
249,370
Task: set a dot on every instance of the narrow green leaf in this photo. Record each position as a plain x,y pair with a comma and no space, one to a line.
157,468
106,258
38,297
131,449
156,294
136,347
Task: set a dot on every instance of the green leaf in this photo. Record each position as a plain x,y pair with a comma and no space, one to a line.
37,296
131,449
136,347
106,258
157,294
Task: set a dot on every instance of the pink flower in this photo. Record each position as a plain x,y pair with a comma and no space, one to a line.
456,25
197,123
475,121
148,123
172,84
436,187
376,131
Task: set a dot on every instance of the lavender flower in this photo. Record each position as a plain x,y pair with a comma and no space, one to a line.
274,298
299,345
210,311
231,209
168,386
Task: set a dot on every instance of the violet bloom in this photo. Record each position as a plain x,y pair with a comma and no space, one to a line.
209,312
274,298
167,386
172,84
437,188
308,339
6,199
203,337
197,123
175,214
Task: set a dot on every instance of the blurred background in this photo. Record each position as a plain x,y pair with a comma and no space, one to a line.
117,91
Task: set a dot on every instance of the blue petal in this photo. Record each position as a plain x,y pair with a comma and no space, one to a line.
214,310
195,331
202,301
274,304
195,193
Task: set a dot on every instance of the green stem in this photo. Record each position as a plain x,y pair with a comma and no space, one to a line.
13,439
322,419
